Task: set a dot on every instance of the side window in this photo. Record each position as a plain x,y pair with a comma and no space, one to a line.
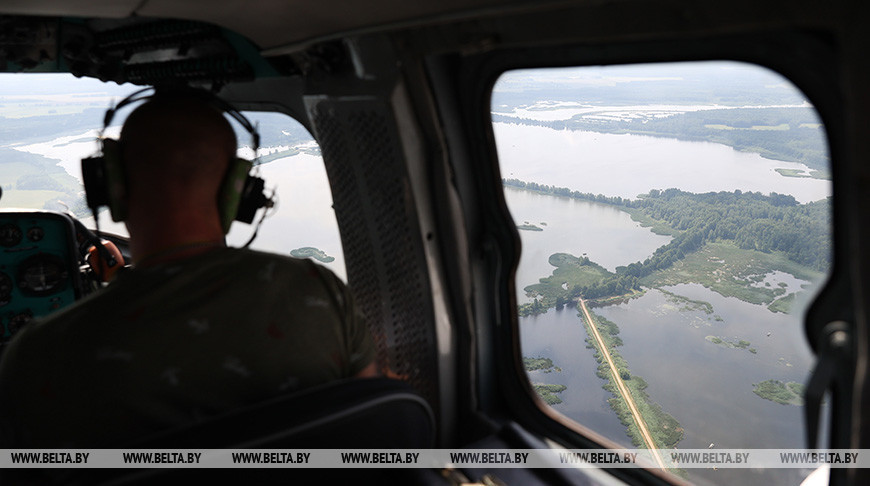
51,121
675,223
303,222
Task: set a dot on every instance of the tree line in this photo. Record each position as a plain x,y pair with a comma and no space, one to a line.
753,221
789,134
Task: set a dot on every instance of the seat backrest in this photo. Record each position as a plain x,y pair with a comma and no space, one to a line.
375,413
358,413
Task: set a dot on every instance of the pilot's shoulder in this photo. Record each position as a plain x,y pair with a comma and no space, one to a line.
272,265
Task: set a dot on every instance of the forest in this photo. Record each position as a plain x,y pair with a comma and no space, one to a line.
751,220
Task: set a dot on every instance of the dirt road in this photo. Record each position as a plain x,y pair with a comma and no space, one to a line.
623,389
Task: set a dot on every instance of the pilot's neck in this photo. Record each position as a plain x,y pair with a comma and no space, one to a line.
168,239
176,253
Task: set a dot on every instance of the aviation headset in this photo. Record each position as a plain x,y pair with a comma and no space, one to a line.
240,194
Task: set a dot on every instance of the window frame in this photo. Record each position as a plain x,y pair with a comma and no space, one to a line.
500,365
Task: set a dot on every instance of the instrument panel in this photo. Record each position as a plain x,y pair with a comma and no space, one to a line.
39,267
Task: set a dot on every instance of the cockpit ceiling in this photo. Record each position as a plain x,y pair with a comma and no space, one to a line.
275,24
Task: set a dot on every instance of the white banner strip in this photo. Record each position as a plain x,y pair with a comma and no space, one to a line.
433,458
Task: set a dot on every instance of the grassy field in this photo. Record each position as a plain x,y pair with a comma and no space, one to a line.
730,271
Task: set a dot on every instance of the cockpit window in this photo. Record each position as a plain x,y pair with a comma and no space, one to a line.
675,223
51,121
303,222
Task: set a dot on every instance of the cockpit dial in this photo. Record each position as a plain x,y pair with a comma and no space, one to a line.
41,275
35,234
5,289
10,235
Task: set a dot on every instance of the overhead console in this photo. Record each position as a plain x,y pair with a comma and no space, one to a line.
134,50
39,267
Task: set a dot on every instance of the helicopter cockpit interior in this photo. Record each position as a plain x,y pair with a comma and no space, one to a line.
716,232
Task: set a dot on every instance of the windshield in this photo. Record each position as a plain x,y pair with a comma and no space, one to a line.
51,121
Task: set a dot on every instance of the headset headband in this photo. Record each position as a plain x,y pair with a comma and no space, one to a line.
151,93
240,195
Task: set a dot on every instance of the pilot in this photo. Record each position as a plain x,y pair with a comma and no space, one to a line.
196,328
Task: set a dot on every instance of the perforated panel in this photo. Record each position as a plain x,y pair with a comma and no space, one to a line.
382,247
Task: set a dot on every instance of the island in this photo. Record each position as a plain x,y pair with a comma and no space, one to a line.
540,364
548,392
790,393
738,344
311,252
529,227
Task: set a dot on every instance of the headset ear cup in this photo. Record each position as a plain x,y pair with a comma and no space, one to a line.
116,183
230,194
94,179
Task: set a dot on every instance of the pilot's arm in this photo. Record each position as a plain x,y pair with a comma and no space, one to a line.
369,371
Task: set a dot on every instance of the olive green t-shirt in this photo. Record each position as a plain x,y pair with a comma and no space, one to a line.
173,344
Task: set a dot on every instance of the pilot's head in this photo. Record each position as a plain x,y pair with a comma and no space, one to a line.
176,151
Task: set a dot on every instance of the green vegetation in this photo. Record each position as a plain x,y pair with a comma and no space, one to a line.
33,181
814,174
686,88
278,154
46,125
782,305
789,134
557,290
753,221
545,364
726,241
654,225
288,152
790,393
793,173
529,227
311,252
686,304
665,429
548,392
730,271
737,344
